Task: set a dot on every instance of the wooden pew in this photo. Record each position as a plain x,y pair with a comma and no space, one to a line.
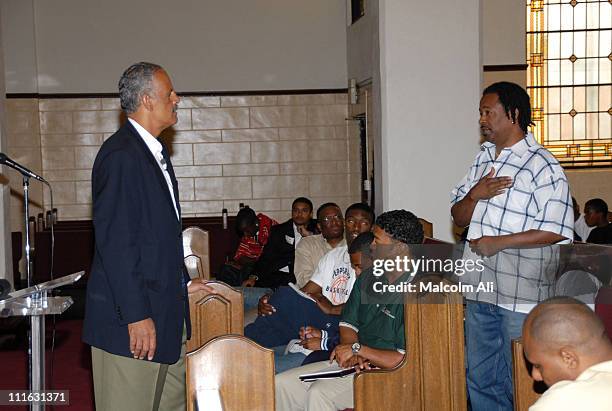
215,314
196,243
526,390
432,374
195,268
237,370
427,227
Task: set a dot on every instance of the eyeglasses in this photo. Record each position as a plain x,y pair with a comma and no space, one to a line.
351,221
328,219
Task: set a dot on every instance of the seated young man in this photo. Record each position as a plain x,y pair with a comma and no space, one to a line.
275,265
307,255
254,231
570,351
581,229
329,286
312,248
309,250
297,352
322,342
596,215
371,335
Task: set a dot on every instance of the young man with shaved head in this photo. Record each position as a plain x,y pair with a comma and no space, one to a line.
570,351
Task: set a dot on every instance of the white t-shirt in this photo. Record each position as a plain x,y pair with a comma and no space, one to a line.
335,275
582,229
592,391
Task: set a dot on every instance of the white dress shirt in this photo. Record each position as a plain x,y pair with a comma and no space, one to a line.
297,236
156,149
582,229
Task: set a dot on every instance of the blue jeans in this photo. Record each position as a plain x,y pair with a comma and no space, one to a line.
489,331
292,312
284,362
252,295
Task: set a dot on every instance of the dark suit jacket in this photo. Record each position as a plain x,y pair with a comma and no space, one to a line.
138,270
279,252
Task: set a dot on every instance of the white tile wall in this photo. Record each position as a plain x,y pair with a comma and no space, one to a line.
259,150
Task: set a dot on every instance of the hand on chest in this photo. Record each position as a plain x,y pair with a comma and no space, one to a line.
517,200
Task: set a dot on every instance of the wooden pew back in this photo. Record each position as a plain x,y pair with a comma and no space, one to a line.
525,394
215,314
427,227
194,267
239,369
432,374
197,242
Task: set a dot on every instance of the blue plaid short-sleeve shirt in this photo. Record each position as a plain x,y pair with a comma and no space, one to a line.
539,198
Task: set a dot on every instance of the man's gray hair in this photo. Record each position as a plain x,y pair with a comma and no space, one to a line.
134,82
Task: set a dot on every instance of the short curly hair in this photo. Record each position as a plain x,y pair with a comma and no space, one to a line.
245,217
135,81
402,226
361,243
324,206
597,205
363,207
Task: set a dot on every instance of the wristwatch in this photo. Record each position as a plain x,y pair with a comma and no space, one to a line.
355,348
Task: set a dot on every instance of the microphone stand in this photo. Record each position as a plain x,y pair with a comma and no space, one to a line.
36,345
26,206
36,301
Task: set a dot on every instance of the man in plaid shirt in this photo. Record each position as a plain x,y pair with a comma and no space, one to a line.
515,194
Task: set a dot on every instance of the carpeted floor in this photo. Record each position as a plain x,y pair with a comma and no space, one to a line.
71,366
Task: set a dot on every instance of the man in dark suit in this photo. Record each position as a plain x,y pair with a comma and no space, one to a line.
596,216
137,313
275,265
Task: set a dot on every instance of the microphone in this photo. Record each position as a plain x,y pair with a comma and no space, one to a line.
16,166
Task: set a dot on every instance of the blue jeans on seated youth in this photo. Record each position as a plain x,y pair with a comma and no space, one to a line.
292,312
252,295
489,332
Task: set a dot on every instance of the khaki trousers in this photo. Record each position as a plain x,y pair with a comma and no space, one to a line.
122,383
324,395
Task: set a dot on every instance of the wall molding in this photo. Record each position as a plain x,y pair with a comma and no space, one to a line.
43,96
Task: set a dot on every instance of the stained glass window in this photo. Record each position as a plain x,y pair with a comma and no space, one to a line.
569,78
